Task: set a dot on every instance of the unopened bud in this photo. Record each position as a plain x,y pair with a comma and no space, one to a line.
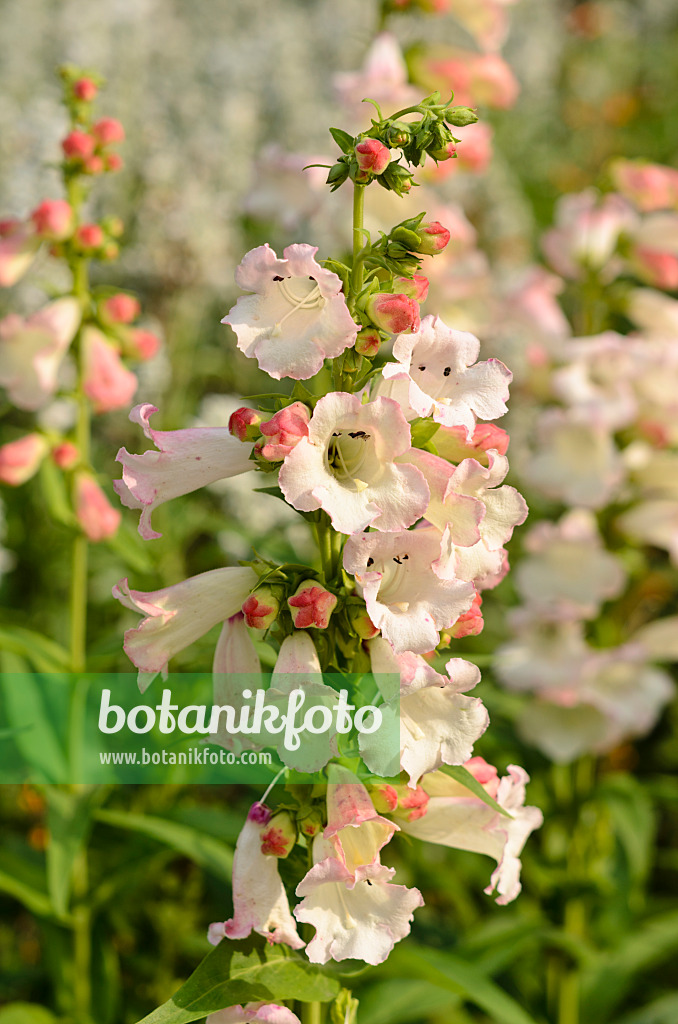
368,342
120,308
94,165
78,145
361,622
396,313
373,156
89,236
66,455
53,219
471,623
20,459
113,162
433,238
113,226
279,835
446,152
110,251
460,116
283,432
244,424
311,605
107,131
261,608
85,89
384,797
416,287
311,824
399,134
337,174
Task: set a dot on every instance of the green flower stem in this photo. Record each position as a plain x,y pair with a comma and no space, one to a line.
82,941
311,1013
323,534
358,258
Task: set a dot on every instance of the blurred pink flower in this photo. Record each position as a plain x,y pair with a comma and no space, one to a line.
107,382
586,233
648,186
21,459
31,351
97,517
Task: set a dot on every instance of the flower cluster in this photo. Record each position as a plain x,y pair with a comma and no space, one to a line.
400,472
75,347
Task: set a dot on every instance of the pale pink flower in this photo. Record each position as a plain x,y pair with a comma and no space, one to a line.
296,315
185,461
545,654
475,150
597,379
531,305
18,247
483,79
654,521
283,432
404,596
346,466
649,186
567,572
31,351
357,831
254,1013
438,723
235,656
586,233
383,78
177,616
653,312
107,382
97,517
486,20
259,898
21,459
445,380
457,818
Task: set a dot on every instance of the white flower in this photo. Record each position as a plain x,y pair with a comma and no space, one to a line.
445,380
405,599
296,315
185,461
346,466
32,350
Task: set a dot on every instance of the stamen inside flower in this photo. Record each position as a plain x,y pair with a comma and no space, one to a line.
346,455
393,572
300,293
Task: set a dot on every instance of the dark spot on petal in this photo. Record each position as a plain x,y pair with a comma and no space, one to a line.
359,433
405,557
447,371
421,367
337,433
397,559
278,278
370,561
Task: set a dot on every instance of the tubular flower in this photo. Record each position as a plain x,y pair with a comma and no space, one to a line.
259,898
31,351
346,466
235,656
438,723
18,248
457,818
445,380
403,595
185,461
107,382
21,459
254,1013
176,616
94,512
296,315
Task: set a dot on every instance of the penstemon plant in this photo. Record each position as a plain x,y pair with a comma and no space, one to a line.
403,489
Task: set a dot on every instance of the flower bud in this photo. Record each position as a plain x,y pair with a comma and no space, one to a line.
433,238
120,308
94,165
311,824
53,219
384,797
85,89
338,174
368,342
110,251
78,145
407,803
89,236
399,134
373,156
97,517
396,313
279,835
113,162
454,445
471,623
113,226
261,608
143,344
484,773
446,152
244,424
107,131
66,455
416,287
361,622
311,605
283,432
259,813
20,459
460,116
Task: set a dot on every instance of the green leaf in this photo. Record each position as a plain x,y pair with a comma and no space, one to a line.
240,972
206,851
398,1001
69,818
26,1013
21,880
44,654
34,716
456,975
345,141
464,778
661,1011
631,811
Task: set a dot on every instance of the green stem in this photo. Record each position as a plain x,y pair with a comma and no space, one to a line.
311,1013
358,214
323,534
82,941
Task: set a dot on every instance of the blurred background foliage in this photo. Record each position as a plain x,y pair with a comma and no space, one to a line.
202,88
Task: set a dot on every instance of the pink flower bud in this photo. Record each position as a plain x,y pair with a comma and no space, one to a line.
659,269
454,445
113,162
446,152
384,798
53,219
284,431
94,165
311,605
89,236
484,773
311,825
368,342
66,455
107,131
433,238
398,314
373,156
261,608
471,623
244,423
259,813
416,287
110,251
144,344
78,145
120,308
97,517
279,835
405,802
85,89
20,459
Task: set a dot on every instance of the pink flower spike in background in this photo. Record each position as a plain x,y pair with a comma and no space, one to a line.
32,350
108,383
21,459
97,517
